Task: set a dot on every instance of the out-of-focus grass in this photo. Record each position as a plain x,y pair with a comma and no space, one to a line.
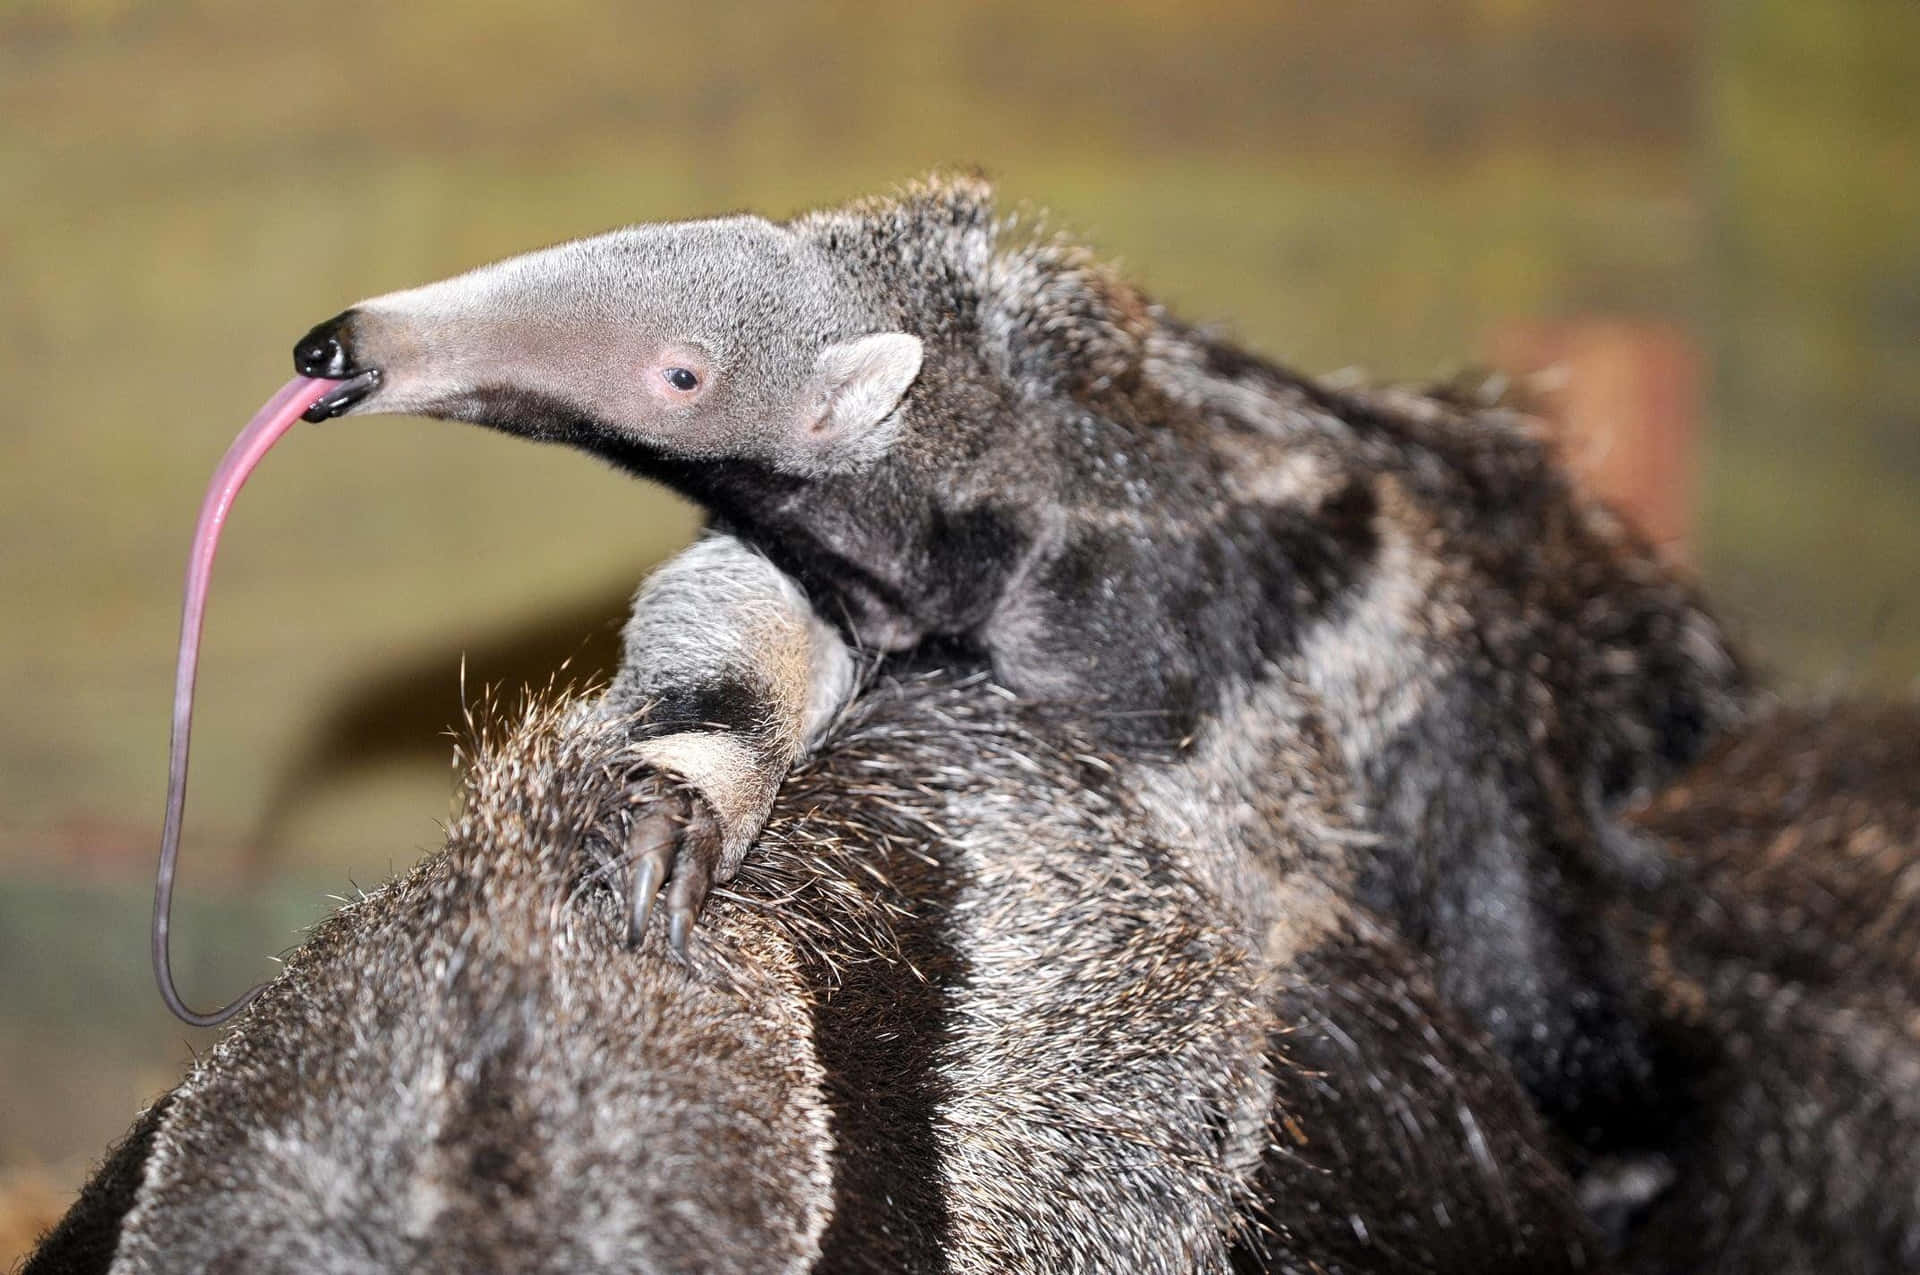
1812,528
85,1043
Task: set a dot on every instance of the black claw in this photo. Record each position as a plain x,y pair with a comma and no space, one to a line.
650,844
646,888
693,873
674,848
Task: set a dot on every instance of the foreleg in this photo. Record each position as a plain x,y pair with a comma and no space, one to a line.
729,678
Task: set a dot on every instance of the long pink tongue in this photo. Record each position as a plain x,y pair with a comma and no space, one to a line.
261,433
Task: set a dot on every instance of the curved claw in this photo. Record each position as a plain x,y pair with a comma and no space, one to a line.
693,874
675,845
651,843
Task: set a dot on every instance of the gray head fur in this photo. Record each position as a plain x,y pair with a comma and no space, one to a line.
733,337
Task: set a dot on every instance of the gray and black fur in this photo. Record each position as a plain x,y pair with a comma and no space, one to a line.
950,434
1256,933
912,1039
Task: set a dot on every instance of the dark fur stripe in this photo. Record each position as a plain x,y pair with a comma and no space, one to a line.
881,1032
733,705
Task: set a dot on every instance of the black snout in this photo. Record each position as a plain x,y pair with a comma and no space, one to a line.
327,352
324,351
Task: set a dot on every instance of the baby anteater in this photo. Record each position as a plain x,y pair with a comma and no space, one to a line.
914,425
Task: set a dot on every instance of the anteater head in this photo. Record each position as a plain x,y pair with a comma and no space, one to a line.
734,338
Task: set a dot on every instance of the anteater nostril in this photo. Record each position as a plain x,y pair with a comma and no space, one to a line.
323,351
320,356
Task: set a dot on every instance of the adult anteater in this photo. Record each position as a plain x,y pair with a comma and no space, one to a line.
914,1039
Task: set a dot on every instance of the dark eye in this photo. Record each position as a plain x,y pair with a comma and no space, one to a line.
681,379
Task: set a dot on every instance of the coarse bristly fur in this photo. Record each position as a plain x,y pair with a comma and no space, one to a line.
911,1040
947,431
1782,962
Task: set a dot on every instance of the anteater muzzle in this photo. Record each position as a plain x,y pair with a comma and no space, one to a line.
327,352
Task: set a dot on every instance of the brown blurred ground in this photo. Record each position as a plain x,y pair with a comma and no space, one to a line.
30,1202
185,187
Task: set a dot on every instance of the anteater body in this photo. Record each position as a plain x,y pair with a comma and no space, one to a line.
910,1040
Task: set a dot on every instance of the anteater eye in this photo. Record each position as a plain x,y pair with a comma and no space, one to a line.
681,379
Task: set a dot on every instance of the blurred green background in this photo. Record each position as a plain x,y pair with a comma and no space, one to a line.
1391,184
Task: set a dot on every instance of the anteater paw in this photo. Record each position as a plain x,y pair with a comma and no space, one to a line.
674,842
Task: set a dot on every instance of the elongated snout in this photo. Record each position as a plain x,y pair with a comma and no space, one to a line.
328,352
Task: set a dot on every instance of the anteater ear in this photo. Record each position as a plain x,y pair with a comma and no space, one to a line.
855,388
